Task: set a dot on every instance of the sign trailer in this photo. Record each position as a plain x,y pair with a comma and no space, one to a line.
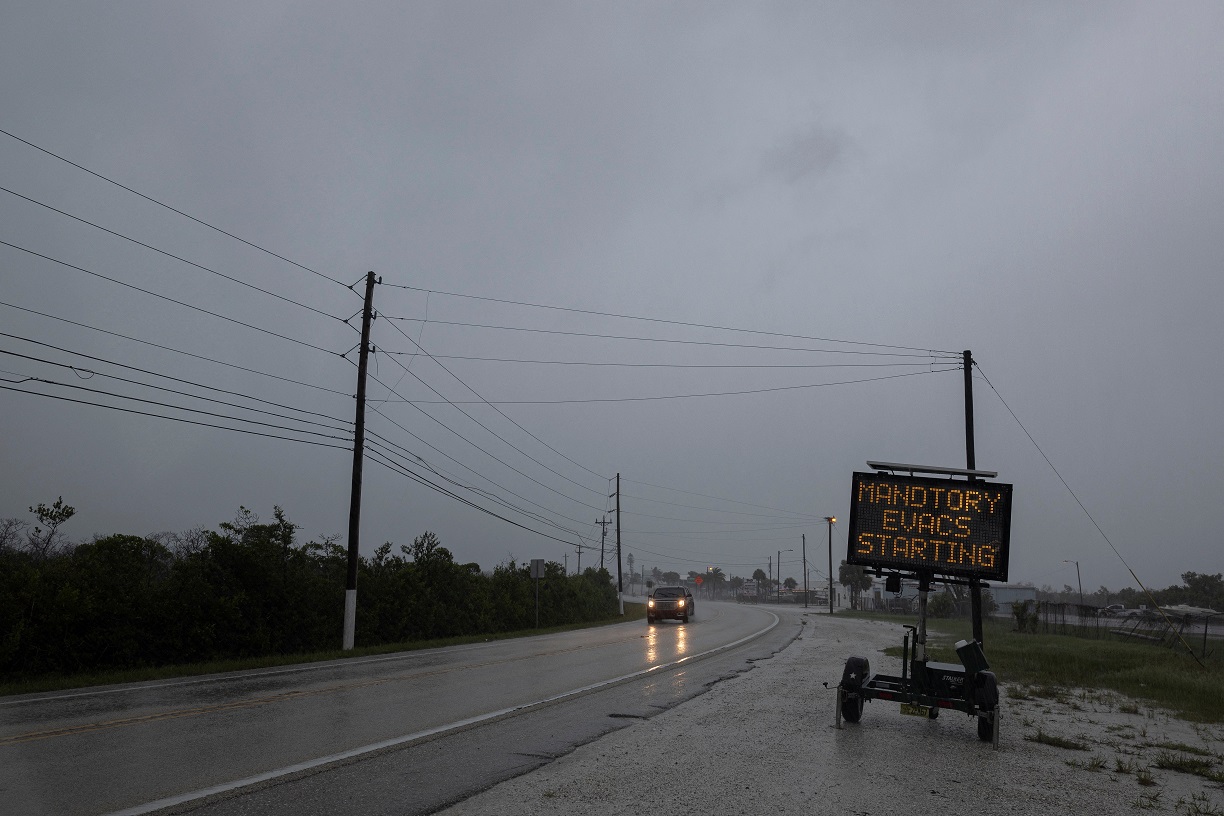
908,526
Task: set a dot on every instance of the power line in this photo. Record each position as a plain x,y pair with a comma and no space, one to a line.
498,410
172,209
171,255
1085,510
475,473
387,452
168,377
176,351
422,480
167,298
667,322
485,452
493,433
435,357
172,407
176,419
78,370
926,354
739,393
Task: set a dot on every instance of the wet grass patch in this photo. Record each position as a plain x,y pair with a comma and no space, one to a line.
1193,765
1056,741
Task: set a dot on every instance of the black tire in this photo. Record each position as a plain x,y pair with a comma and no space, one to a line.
855,674
649,620
685,619
986,728
933,713
852,708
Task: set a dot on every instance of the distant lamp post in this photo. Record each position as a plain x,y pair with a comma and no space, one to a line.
778,589
1077,579
831,520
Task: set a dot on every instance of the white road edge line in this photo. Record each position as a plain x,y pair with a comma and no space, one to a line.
150,807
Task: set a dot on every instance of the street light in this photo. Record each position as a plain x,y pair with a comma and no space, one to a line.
778,590
1077,579
831,520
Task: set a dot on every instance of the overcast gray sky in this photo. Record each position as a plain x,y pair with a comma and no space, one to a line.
1039,183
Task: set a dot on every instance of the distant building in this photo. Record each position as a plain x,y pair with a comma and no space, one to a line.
907,600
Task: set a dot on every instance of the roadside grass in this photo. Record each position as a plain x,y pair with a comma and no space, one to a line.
35,685
1046,666
1057,741
1193,765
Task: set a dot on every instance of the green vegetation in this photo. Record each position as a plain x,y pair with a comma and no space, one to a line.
125,607
1058,742
1194,765
1049,665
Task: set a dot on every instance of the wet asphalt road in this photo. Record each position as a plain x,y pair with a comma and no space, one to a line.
450,722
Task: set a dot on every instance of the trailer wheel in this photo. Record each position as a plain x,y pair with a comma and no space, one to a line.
852,708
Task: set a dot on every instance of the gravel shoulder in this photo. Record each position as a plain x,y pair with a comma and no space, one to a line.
764,741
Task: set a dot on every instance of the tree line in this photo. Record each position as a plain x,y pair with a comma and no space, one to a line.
249,589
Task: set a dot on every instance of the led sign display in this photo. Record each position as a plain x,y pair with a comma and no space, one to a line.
947,527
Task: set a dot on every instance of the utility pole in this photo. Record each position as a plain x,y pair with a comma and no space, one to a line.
805,589
830,520
620,585
770,581
603,537
579,570
975,587
354,534
566,557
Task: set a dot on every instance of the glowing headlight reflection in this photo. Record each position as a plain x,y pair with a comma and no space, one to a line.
652,646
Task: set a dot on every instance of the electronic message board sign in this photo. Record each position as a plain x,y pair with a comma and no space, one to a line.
917,524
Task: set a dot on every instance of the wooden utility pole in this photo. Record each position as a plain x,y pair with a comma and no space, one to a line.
975,586
354,535
603,537
620,585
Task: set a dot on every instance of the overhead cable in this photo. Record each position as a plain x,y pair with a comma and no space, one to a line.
167,298
455,404
178,351
924,353
668,322
79,370
174,407
499,411
172,379
172,209
433,468
743,392
172,255
178,419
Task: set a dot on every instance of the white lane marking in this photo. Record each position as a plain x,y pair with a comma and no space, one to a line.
150,807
